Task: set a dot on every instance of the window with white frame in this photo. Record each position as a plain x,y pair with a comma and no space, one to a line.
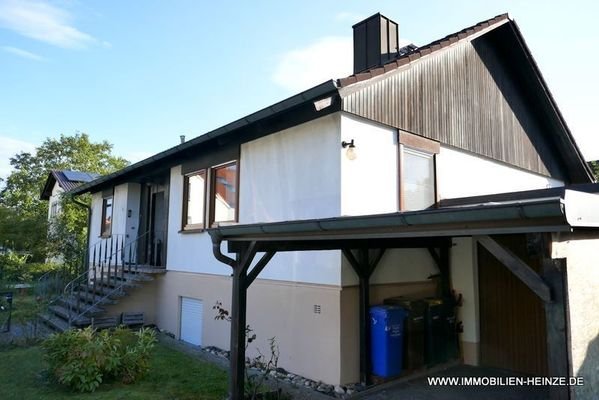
417,172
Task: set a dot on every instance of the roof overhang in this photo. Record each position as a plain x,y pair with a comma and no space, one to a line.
48,187
247,128
563,212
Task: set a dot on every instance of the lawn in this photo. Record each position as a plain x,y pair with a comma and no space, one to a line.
173,375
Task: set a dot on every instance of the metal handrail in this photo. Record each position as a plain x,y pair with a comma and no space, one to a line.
94,246
104,262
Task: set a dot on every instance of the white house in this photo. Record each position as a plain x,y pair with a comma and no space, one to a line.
59,182
419,137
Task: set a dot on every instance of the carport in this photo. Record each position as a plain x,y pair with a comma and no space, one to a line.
364,239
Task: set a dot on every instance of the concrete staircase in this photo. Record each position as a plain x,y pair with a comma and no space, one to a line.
113,274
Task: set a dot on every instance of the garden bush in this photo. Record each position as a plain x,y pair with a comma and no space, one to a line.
14,268
83,359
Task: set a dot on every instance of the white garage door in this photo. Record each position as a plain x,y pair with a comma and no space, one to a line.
191,320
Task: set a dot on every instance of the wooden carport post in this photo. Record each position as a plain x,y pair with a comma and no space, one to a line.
364,269
241,282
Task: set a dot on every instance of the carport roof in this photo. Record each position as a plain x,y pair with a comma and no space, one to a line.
546,210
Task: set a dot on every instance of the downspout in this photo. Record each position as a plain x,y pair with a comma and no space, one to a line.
216,242
89,225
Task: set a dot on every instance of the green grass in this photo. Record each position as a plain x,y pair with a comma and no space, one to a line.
173,375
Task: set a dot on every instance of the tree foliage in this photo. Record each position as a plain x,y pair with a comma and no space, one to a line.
23,215
595,168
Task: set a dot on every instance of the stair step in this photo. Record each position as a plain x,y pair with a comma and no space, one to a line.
132,276
63,312
89,297
66,302
54,322
151,270
105,289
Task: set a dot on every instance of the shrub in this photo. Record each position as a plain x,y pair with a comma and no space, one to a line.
83,359
12,267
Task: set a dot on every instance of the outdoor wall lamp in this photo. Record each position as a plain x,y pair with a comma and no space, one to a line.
351,149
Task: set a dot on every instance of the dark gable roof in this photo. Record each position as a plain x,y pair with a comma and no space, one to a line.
423,51
258,120
67,180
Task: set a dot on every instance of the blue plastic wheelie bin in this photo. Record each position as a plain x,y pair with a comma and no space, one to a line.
386,340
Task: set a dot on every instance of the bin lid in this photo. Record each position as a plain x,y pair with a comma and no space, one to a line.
386,309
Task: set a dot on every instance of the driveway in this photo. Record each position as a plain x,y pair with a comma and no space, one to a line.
420,389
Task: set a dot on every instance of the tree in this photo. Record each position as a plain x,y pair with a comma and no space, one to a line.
23,215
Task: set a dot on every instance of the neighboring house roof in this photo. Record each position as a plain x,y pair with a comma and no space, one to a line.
261,122
67,180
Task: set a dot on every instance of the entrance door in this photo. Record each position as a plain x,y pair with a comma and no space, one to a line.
512,318
157,240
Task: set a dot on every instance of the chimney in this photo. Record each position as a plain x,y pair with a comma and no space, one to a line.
375,42
182,138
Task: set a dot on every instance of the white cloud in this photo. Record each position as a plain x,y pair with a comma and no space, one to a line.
328,58
42,21
23,53
8,148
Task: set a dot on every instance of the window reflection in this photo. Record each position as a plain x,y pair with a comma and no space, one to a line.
418,180
224,197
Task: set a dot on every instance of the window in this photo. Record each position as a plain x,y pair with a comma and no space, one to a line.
418,178
210,197
106,217
223,194
194,214
54,209
417,186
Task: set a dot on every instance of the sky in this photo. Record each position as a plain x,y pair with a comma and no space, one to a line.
141,73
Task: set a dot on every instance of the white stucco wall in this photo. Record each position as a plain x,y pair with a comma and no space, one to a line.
96,220
119,209
580,251
461,174
369,183
293,174
126,197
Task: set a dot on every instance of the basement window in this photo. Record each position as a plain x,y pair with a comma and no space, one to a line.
106,229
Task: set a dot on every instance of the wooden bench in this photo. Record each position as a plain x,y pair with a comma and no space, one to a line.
131,319
104,322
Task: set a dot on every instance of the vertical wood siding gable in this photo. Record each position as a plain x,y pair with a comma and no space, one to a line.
463,97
